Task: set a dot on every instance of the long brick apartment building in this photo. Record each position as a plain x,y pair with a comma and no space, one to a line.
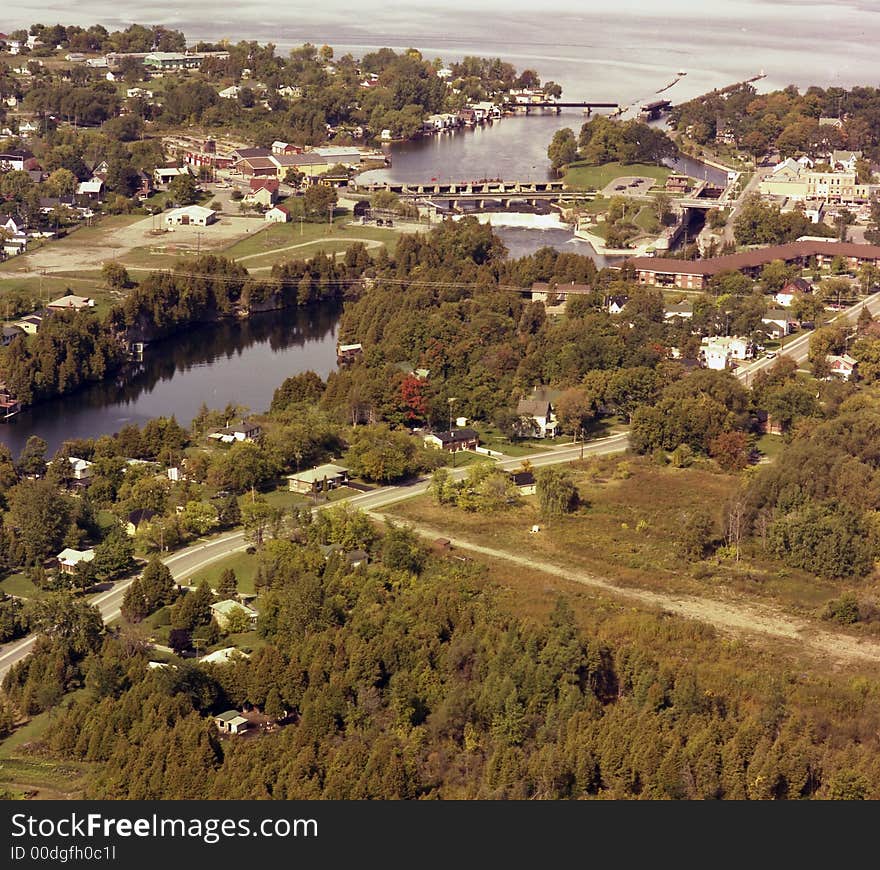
696,274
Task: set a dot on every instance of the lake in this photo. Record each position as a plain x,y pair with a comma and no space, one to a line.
238,361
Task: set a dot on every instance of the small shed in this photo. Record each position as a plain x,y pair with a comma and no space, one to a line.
231,722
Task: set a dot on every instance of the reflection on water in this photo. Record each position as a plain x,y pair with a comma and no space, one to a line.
240,361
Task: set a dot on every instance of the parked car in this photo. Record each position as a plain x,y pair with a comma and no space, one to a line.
770,354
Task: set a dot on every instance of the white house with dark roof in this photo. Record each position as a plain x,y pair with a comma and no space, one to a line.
536,416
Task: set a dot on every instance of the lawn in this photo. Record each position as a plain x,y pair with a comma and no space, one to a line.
646,220
770,446
21,586
244,565
273,239
583,176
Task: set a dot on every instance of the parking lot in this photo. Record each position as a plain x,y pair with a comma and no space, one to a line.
629,185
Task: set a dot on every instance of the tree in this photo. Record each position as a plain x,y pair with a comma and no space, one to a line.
562,149
380,454
237,621
184,189
227,586
115,275
134,605
62,182
273,708
557,493
696,533
157,584
730,450
32,459
60,615
39,516
114,556
180,640
318,202
258,518
199,517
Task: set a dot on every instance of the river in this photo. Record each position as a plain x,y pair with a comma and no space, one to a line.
625,54
238,361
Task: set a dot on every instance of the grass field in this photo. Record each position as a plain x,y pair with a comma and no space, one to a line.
19,585
244,565
626,532
24,774
582,176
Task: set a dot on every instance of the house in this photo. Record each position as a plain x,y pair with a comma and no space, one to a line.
844,366
310,163
263,196
352,558
845,160
224,656
165,60
348,353
292,92
616,303
256,165
30,324
328,476
792,290
279,147
277,215
139,92
165,174
231,722
776,322
677,183
191,215
453,441
683,309
82,468
719,352
263,191
558,294
230,93
68,559
91,188
15,159
536,416
224,610
71,302
243,431
137,518
696,274
524,481
10,332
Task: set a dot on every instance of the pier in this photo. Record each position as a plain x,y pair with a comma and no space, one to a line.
558,105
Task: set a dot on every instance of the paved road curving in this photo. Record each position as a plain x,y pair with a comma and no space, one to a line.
192,559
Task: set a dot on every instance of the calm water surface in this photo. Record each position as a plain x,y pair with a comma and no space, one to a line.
240,361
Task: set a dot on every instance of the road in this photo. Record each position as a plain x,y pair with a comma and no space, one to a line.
192,559
747,191
799,348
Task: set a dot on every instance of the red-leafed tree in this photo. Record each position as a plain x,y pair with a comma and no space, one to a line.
413,399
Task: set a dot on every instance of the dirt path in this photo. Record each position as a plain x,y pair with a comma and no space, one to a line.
735,619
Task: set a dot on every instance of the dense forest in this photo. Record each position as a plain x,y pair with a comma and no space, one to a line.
412,680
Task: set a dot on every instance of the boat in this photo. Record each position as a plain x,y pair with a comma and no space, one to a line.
682,72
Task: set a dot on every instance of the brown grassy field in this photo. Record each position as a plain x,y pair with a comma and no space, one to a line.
626,532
